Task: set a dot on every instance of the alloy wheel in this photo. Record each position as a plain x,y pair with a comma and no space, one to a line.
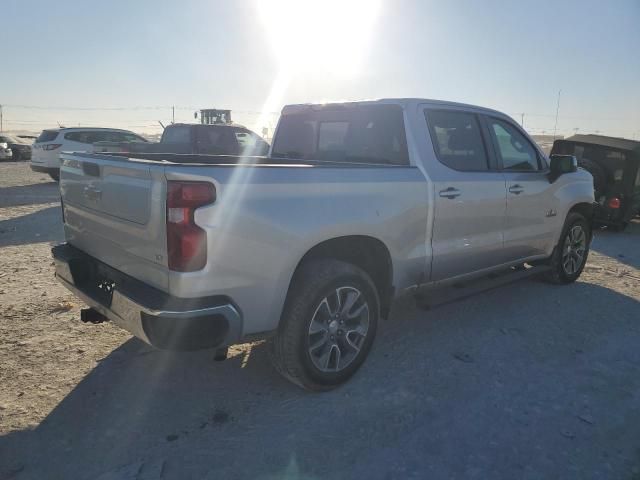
338,329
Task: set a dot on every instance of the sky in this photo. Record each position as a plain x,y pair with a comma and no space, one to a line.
125,63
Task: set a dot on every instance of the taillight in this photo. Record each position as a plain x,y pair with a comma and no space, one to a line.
186,241
614,203
51,146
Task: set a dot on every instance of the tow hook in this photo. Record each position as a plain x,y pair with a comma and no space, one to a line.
89,315
221,354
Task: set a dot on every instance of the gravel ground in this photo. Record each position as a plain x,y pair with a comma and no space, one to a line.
526,381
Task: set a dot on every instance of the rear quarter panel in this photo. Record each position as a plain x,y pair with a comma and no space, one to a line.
266,218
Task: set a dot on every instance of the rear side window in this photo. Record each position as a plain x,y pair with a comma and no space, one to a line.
345,133
80,137
88,136
180,134
457,140
47,136
130,137
515,151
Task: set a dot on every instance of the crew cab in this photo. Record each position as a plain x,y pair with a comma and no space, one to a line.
356,204
186,138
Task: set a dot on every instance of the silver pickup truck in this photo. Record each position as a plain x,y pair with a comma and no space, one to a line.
356,204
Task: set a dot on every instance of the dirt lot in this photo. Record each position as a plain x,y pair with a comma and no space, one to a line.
527,381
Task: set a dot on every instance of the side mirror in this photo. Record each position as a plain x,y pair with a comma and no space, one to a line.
561,164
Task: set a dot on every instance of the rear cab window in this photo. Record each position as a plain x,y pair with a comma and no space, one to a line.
176,134
344,133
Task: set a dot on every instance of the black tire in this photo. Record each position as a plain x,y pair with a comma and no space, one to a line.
55,176
16,156
558,274
599,174
312,284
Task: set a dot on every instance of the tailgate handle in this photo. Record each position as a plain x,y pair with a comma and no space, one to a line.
91,169
516,189
92,193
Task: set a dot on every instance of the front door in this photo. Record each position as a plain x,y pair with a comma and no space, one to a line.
530,219
470,197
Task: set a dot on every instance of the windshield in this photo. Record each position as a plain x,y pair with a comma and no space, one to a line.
362,134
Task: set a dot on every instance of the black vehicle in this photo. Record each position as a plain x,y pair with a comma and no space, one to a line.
614,164
21,149
186,138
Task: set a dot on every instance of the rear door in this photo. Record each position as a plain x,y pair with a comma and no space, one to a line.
470,196
115,211
530,217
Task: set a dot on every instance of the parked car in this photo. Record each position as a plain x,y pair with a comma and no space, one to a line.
357,203
184,138
614,164
50,143
5,152
20,148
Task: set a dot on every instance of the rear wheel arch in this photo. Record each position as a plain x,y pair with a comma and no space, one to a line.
368,253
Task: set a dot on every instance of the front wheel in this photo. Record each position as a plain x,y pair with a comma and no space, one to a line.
570,254
328,325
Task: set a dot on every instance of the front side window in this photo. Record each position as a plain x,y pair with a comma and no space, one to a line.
515,151
457,140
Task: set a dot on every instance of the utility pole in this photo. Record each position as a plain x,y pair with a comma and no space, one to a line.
522,120
555,127
173,114
1,119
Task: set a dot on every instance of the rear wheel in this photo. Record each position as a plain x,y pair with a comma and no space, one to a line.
55,176
328,325
570,254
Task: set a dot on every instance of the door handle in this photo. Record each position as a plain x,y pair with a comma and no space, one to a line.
92,193
516,189
450,193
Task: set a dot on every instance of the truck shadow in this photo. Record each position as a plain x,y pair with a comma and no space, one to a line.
44,225
617,244
466,380
36,193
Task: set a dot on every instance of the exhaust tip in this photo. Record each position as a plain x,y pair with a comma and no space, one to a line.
221,354
89,315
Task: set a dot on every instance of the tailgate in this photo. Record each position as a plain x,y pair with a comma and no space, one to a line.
114,210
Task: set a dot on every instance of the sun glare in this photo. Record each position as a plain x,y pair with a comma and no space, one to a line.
323,36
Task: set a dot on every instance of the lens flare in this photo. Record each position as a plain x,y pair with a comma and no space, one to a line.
323,36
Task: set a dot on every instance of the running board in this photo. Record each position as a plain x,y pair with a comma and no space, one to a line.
437,296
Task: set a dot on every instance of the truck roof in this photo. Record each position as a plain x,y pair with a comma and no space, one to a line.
404,102
604,141
64,129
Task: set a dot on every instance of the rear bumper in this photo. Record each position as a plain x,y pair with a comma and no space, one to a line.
159,319
42,169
